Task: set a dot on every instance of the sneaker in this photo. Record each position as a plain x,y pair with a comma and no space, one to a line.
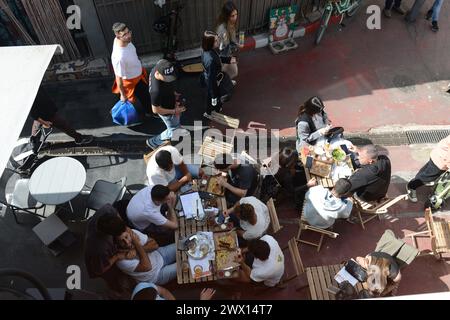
84,140
429,14
182,132
234,82
434,26
399,10
412,194
387,13
150,144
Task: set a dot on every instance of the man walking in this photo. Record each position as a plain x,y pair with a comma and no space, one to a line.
44,112
433,14
131,78
388,7
165,101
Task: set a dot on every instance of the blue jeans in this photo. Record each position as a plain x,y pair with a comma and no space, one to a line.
172,123
169,271
436,9
388,4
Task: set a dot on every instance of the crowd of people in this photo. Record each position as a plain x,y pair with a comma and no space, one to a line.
157,93
432,13
136,238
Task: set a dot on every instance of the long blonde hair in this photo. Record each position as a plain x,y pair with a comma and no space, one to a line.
377,274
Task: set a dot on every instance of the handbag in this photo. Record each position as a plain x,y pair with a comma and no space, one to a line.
356,270
124,113
225,86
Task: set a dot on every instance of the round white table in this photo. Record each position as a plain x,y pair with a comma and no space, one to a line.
57,181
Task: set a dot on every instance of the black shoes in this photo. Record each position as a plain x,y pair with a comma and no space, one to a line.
434,26
429,14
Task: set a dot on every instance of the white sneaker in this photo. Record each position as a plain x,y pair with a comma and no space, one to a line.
182,132
234,82
412,194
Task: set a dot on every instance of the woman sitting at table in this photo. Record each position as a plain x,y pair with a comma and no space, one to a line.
291,175
384,264
251,217
312,122
323,207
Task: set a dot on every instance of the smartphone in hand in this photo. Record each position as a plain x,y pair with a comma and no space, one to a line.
221,218
309,162
345,149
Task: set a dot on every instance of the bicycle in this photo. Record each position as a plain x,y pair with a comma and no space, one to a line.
336,7
168,25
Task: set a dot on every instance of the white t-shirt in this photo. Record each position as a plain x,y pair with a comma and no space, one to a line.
270,271
128,266
156,175
142,211
262,219
125,61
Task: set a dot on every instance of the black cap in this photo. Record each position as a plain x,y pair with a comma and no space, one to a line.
167,70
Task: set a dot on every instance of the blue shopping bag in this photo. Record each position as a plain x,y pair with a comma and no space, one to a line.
124,113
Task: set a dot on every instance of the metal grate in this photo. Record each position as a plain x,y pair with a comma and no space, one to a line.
399,138
432,136
383,139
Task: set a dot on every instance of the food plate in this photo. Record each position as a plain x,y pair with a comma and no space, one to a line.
225,240
338,154
214,187
198,246
319,151
225,260
226,244
321,168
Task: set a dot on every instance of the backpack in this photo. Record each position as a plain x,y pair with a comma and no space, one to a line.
269,188
441,191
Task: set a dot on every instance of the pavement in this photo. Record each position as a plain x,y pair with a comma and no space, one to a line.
384,79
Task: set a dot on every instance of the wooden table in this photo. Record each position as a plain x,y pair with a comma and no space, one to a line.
325,182
321,278
186,229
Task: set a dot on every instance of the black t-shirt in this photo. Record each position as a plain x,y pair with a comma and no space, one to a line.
162,93
244,177
393,265
43,107
371,182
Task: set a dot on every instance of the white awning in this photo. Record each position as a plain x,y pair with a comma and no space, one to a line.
22,70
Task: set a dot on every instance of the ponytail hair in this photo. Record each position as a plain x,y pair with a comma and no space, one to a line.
312,106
